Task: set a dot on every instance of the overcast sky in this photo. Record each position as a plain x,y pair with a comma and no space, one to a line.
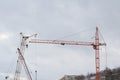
59,19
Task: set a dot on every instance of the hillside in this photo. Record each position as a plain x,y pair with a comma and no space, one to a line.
108,74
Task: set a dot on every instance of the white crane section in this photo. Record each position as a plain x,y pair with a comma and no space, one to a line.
23,46
24,65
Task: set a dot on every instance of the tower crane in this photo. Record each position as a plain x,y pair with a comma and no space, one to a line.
23,46
95,45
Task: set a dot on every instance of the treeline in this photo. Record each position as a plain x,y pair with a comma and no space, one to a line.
107,74
112,74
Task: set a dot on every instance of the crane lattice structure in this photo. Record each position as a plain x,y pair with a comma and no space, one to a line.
96,44
21,59
24,64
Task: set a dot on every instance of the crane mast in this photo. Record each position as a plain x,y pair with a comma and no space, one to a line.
23,46
97,57
22,49
95,45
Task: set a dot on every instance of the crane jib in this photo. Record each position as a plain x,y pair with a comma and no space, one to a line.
61,42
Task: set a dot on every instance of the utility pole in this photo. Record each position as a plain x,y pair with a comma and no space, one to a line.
36,75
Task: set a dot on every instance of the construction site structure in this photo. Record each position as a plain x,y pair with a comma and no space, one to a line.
24,65
21,60
96,44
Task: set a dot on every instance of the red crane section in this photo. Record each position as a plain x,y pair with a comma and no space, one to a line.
97,57
95,45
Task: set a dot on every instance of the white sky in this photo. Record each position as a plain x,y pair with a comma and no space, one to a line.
55,19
